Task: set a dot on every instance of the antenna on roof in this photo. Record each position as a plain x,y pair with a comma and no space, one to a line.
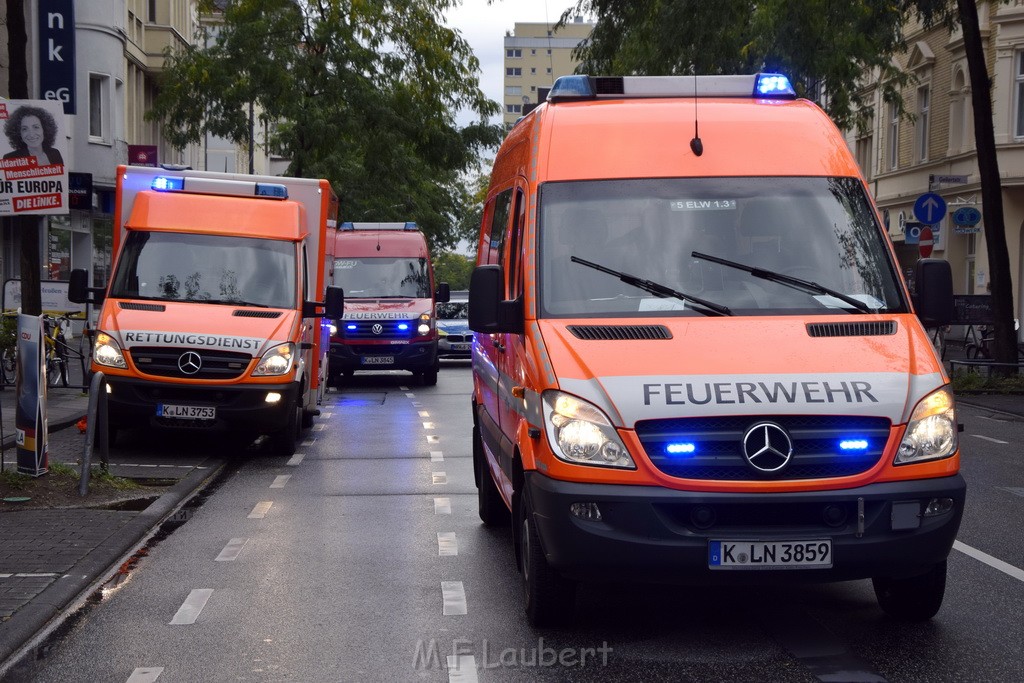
695,144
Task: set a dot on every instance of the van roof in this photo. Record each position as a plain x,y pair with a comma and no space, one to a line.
392,243
650,137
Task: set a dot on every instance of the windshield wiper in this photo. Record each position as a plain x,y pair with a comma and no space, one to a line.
656,289
794,282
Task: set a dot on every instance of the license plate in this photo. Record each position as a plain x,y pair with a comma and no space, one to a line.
460,347
378,360
770,555
186,412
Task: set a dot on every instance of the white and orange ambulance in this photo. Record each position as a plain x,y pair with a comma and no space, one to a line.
211,319
694,357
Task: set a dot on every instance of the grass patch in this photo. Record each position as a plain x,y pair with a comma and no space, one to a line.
972,381
11,479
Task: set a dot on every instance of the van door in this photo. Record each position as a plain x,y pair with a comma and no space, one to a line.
512,361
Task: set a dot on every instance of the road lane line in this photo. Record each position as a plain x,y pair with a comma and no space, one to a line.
438,478
192,607
1014,490
417,404
447,544
403,388
436,456
147,674
327,416
410,395
986,417
424,413
295,459
429,425
433,438
308,442
442,506
989,438
261,510
454,596
231,550
280,480
993,562
319,427
461,669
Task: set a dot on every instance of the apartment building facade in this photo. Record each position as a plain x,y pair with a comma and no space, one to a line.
906,157
535,55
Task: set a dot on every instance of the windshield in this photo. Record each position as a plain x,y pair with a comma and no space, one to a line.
169,266
374,278
453,310
821,230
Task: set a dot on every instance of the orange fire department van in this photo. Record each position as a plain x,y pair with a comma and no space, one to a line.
694,357
211,317
389,321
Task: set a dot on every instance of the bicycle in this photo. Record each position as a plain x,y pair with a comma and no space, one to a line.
57,341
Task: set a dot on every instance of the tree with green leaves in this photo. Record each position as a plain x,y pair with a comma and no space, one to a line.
453,268
828,48
361,93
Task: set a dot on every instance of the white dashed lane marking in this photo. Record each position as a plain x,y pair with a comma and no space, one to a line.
442,506
295,459
261,510
319,427
192,607
280,480
231,550
454,597
433,438
429,425
149,674
410,395
994,562
436,456
308,442
327,416
438,478
989,438
447,544
461,669
424,413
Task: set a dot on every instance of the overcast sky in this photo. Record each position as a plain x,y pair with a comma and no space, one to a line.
484,26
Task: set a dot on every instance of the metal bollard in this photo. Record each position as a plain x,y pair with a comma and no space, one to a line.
96,418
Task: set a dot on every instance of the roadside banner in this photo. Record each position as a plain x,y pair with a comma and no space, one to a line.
33,173
30,421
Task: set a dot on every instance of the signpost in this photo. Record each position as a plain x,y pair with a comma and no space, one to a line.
930,208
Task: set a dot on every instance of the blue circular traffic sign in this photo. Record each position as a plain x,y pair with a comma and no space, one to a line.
967,215
930,208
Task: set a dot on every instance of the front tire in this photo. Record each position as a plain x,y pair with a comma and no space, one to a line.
917,598
284,442
550,597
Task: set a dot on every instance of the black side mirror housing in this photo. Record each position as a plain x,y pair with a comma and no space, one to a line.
443,294
334,303
488,312
79,291
933,298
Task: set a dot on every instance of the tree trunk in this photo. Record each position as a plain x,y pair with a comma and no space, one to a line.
1005,340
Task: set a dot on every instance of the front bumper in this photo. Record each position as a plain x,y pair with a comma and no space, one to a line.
650,533
414,356
455,346
239,407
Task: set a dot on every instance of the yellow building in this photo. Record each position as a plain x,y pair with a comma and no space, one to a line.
535,55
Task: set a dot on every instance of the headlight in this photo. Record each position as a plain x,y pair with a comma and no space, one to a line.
580,433
333,329
932,431
276,361
441,333
424,325
105,351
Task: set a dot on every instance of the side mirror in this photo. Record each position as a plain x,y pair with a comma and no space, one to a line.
933,298
488,313
334,303
443,293
79,290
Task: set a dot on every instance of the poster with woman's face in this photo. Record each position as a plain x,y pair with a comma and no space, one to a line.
33,173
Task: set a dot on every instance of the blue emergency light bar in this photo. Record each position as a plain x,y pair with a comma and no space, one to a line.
763,86
237,188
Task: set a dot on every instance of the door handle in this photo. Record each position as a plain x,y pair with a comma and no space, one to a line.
498,345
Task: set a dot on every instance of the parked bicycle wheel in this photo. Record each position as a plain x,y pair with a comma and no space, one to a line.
55,371
9,365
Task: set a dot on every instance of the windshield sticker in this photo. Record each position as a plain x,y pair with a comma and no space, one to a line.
703,205
832,302
345,265
190,339
662,305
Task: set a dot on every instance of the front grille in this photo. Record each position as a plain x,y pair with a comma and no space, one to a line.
389,329
872,329
163,362
459,338
615,332
718,446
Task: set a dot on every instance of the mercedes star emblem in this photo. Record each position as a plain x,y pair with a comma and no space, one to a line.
767,447
190,362
377,328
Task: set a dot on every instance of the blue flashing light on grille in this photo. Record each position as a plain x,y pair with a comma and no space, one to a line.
165,183
351,327
272,190
571,86
853,445
773,85
404,327
680,448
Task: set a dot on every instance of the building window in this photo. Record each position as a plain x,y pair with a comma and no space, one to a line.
99,110
514,108
533,70
894,135
549,34
1019,129
862,151
533,88
923,107
549,50
513,71
514,90
514,53
533,52
549,69
957,110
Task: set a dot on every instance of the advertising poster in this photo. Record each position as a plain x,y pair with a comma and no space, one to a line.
33,174
30,388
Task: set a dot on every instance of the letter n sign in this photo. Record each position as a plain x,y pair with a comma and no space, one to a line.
56,42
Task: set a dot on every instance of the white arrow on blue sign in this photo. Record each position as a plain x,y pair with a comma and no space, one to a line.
930,208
